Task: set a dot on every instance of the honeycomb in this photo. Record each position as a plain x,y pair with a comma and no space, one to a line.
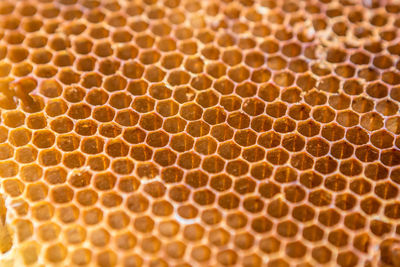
199,133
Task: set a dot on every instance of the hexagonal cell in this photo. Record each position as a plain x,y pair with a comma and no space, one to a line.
68,142
177,125
103,114
42,211
141,152
126,117
151,121
253,106
6,151
293,142
310,179
19,136
392,124
164,157
96,97
36,192
36,121
120,100
284,125
306,82
189,160
14,119
3,134
167,108
321,254
8,169
342,150
191,111
302,161
118,220
13,187
332,132
329,217
232,57
308,128
244,186
62,194
291,95
277,208
117,148
299,112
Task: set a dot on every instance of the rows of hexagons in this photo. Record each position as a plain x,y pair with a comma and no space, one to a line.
221,92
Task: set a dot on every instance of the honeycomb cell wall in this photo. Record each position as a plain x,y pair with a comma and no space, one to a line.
199,133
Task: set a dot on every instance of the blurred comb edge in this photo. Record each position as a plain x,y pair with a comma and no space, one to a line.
6,241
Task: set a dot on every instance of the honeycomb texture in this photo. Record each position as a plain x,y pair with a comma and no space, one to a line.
200,133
